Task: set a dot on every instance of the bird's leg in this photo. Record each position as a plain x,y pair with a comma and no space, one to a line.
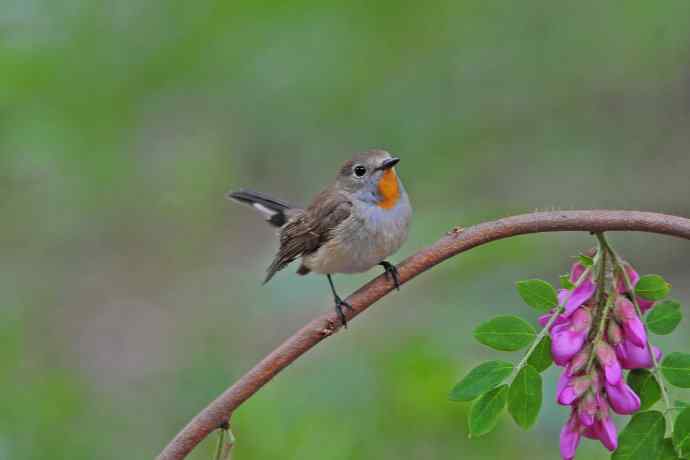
339,303
392,271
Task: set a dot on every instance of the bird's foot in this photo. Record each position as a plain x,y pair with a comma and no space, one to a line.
392,271
339,304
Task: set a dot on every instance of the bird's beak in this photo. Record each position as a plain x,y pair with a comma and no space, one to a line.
388,164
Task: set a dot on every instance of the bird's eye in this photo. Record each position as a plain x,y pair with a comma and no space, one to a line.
360,170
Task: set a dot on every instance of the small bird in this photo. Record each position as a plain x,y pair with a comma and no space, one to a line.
352,225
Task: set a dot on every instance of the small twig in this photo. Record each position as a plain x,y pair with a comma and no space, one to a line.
450,245
221,443
227,447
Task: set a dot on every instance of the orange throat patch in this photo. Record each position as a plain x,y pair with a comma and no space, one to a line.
389,190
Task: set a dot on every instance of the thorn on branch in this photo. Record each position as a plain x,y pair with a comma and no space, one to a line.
455,231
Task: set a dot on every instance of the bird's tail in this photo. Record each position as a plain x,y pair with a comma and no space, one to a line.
275,211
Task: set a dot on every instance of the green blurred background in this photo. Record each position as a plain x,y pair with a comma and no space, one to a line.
131,290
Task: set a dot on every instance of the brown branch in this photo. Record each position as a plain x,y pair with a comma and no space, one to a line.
456,241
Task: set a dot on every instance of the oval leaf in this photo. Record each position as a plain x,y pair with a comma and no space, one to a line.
652,287
525,397
643,438
538,294
645,385
541,358
681,434
505,333
676,369
486,410
664,318
481,379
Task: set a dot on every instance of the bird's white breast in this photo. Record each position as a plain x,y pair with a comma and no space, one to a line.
364,239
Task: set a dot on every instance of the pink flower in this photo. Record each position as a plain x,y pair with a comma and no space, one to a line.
580,294
609,363
570,438
568,338
633,357
634,277
634,330
587,409
614,333
603,427
645,305
563,381
622,398
544,319
575,388
578,362
607,433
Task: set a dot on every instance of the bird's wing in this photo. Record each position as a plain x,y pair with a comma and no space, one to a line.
309,230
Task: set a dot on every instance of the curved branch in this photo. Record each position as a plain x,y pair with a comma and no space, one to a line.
456,241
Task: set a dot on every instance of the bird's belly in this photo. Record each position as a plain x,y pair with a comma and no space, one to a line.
361,243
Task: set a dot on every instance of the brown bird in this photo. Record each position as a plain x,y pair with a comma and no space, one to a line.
352,225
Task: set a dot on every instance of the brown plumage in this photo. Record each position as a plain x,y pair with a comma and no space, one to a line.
307,231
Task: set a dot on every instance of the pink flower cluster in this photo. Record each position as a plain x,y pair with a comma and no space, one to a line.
592,383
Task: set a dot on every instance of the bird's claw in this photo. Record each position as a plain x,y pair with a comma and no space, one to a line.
392,271
339,304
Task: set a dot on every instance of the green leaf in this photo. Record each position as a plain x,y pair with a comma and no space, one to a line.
538,294
681,434
525,397
486,410
541,358
668,452
565,282
652,287
645,385
481,379
586,260
505,333
664,318
676,369
643,437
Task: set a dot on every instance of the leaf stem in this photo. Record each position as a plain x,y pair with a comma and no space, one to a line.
656,371
221,443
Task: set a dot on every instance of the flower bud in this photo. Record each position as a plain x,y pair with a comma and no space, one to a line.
570,437
634,357
609,363
575,388
622,398
580,294
614,333
579,361
620,279
634,277
587,409
567,339
634,330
